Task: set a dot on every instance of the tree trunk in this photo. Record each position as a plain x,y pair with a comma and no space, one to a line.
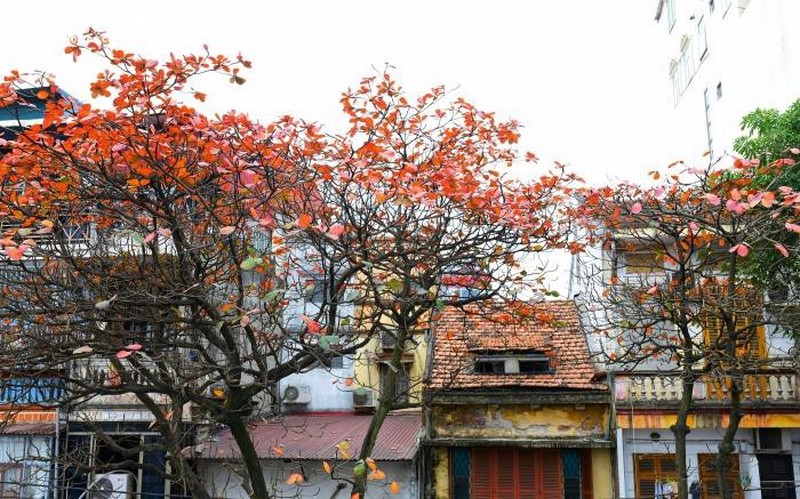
386,402
681,428
726,446
250,459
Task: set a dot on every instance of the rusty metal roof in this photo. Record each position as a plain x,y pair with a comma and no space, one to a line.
315,436
42,428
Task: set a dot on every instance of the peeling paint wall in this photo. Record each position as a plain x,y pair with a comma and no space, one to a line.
519,421
441,473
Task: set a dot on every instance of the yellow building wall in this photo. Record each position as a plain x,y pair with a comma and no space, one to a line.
709,420
519,421
441,473
602,474
367,366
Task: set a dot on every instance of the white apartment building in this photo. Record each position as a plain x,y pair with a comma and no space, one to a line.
725,58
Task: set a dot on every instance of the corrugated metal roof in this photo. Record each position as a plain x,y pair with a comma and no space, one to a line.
44,428
315,436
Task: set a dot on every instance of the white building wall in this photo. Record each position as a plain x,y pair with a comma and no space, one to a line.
699,441
753,54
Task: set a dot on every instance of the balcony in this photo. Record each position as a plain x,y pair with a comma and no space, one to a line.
663,389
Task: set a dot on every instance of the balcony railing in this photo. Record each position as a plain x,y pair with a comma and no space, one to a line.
655,388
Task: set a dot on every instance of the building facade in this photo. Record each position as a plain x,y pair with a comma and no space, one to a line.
724,59
515,409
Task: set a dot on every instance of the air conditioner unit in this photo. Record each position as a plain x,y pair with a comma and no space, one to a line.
388,340
363,398
297,394
111,486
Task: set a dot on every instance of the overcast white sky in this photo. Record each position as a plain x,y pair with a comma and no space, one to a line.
586,78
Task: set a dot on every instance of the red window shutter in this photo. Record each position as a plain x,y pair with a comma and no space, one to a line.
552,483
506,473
481,474
586,474
528,478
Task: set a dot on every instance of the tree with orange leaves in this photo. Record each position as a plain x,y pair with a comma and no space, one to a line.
414,198
668,289
155,241
137,248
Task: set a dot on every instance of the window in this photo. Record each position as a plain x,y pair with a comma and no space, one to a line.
642,261
513,363
670,5
402,383
702,39
509,473
10,480
709,485
655,475
709,136
675,81
687,60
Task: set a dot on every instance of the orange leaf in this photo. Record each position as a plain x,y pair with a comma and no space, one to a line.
371,464
304,221
295,479
278,451
377,475
200,96
394,488
326,467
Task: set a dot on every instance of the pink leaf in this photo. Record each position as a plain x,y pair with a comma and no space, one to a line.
335,231
134,347
227,230
653,291
123,354
82,350
794,150
740,249
149,237
792,227
782,249
636,208
712,199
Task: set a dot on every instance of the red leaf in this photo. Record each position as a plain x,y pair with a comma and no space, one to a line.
636,208
782,249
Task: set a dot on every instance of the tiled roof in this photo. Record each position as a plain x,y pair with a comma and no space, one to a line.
315,436
553,327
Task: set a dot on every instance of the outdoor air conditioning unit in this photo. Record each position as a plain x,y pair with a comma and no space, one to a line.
388,341
363,398
297,394
118,485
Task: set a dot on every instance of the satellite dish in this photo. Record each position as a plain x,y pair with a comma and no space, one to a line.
101,489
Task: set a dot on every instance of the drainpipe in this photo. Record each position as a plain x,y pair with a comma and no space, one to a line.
56,451
620,447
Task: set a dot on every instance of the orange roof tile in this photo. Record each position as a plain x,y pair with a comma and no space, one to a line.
553,327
